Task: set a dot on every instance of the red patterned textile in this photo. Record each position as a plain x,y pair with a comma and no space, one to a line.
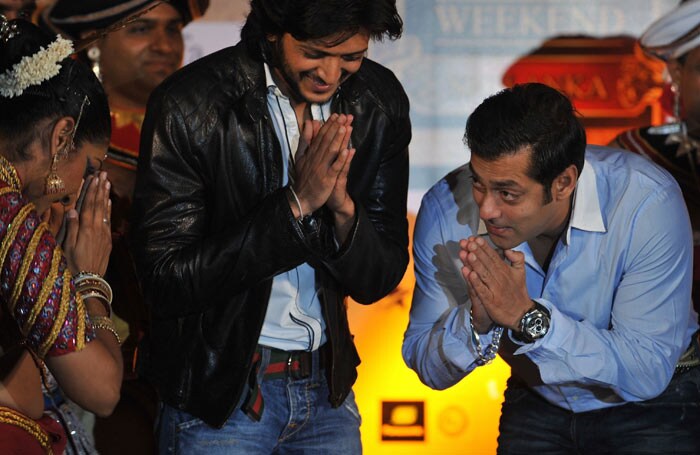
20,435
35,283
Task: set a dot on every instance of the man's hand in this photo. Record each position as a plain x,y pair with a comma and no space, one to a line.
339,200
480,317
499,287
319,166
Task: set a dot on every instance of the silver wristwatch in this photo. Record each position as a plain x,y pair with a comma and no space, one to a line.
534,324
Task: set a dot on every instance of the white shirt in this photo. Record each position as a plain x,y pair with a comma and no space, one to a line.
294,320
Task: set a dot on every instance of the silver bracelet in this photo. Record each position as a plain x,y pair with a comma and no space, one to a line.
301,212
485,356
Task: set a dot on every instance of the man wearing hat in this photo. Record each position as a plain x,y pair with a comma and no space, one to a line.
131,61
675,38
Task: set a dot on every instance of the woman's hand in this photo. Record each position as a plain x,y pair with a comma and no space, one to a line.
89,238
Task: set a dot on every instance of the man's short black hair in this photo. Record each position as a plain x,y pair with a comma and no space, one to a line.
529,115
317,19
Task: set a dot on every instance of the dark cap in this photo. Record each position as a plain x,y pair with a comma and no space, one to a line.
72,17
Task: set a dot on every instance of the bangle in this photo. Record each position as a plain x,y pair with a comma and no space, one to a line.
86,273
484,357
92,285
101,298
105,323
296,198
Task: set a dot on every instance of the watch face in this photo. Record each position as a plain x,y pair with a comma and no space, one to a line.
537,324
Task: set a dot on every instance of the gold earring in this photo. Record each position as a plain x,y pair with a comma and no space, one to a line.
54,183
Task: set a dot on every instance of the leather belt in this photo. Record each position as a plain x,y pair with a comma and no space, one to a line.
293,364
282,364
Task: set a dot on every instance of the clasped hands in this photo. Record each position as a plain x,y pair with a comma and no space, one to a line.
88,239
321,168
496,289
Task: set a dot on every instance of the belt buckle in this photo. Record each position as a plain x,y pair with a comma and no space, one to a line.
302,369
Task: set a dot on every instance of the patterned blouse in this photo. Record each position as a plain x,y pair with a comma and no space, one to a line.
36,288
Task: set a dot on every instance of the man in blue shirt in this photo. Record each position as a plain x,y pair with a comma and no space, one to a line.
574,265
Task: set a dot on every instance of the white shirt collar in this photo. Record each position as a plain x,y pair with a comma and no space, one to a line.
585,214
270,82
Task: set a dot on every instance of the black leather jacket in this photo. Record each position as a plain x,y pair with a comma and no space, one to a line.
212,225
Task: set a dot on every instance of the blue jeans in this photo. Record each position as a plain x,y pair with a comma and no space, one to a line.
297,419
667,424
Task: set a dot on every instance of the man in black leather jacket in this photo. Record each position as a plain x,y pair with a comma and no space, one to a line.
247,250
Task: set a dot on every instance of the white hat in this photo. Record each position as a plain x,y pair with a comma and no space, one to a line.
674,34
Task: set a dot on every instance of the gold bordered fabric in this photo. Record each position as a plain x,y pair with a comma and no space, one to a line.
35,284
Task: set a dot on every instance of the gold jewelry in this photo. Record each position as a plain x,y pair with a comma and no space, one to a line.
105,323
54,182
86,100
8,173
92,285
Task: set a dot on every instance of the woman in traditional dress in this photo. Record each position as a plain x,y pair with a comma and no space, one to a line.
54,304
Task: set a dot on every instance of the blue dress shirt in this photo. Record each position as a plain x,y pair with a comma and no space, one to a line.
618,287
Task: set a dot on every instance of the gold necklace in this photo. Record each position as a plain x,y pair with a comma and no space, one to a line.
8,173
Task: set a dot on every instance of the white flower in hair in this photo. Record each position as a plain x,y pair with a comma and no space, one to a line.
35,69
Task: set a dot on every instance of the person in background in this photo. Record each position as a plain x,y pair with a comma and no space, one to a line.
572,263
131,61
675,38
55,306
17,9
272,184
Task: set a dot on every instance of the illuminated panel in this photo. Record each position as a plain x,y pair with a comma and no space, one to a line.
465,415
403,421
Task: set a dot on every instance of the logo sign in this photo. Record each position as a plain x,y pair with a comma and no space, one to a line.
612,83
403,421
